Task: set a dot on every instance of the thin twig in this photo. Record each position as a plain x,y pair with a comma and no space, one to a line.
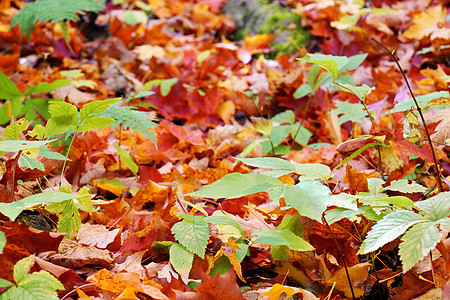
342,256
419,109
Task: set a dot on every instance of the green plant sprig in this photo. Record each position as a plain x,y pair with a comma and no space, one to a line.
419,109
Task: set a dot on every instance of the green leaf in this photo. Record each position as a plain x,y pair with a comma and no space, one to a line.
344,200
422,100
312,76
8,88
349,112
312,171
31,162
181,259
2,241
280,252
43,150
12,210
51,10
13,131
268,162
70,219
39,285
72,73
310,198
436,207
95,107
38,131
302,91
35,109
22,268
399,201
404,186
63,109
131,119
339,213
353,62
236,185
151,84
46,87
166,86
192,235
332,64
293,223
262,125
303,135
360,91
417,242
17,145
283,237
127,159
221,265
218,218
388,229
95,122
284,117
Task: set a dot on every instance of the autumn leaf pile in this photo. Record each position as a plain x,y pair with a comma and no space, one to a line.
204,122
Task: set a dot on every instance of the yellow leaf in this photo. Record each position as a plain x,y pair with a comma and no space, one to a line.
426,23
277,290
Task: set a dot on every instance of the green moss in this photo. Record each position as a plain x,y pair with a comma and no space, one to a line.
278,20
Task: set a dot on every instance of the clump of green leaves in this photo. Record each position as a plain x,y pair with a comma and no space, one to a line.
21,104
52,11
37,285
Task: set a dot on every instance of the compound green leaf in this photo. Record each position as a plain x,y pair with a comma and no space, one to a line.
22,268
181,259
422,100
62,109
301,136
237,185
192,235
353,112
94,122
302,91
31,162
388,229
360,91
38,285
353,62
417,242
286,117
95,107
310,198
13,131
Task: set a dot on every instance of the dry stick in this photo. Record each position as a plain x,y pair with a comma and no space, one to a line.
342,255
419,109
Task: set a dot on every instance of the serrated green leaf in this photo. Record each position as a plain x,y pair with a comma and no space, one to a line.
388,229
70,219
166,86
302,91
38,285
349,112
17,145
404,186
418,241
127,159
38,131
375,185
192,235
13,131
422,100
283,237
46,87
436,207
62,109
8,88
329,62
237,185
312,171
60,124
12,210
22,268
310,198
181,259
95,122
344,200
95,107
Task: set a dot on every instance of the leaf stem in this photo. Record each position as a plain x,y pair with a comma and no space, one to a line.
67,156
419,109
